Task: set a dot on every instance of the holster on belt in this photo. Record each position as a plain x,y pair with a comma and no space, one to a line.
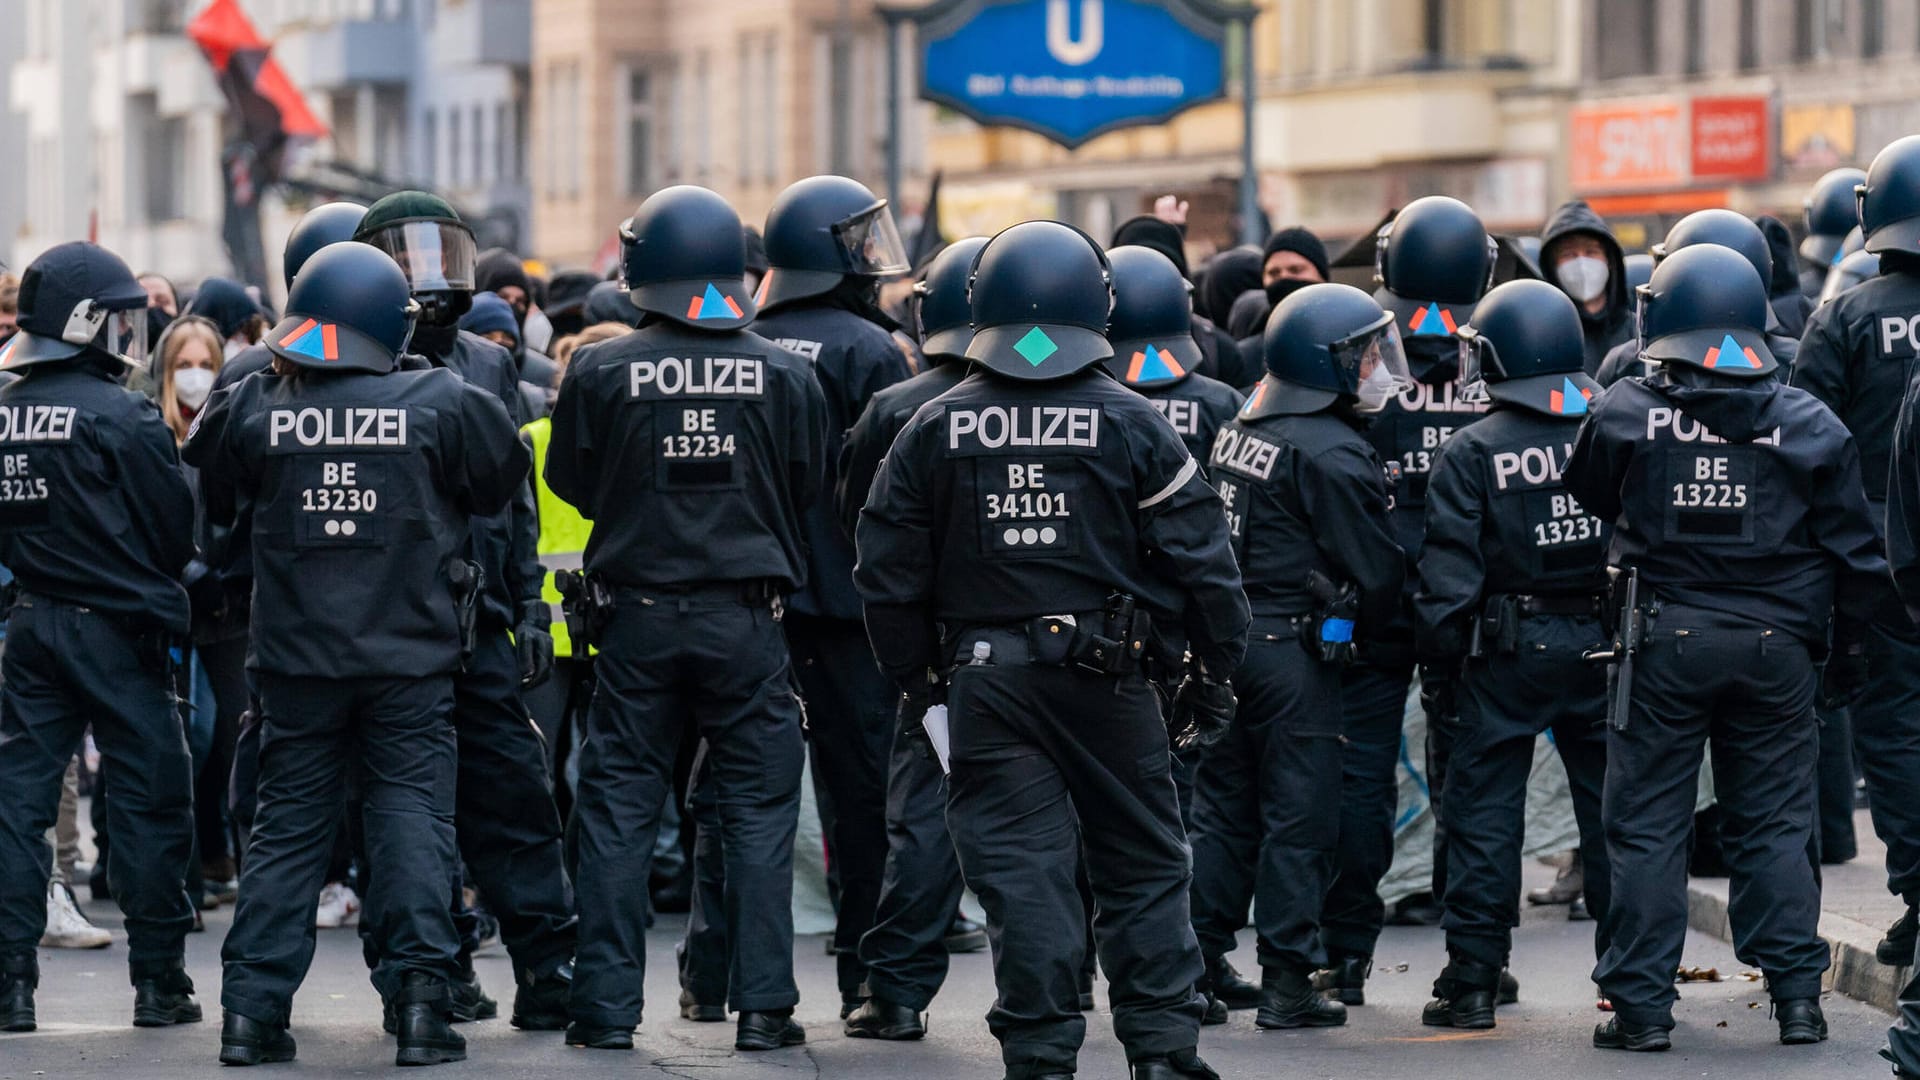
1112,641
587,604
1328,632
467,580
1496,630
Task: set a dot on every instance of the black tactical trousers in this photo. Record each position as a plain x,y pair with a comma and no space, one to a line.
1837,842
1375,709
905,952
704,955
65,667
673,663
399,734
850,713
1745,689
1262,832
1886,741
1505,703
1903,1038
1048,761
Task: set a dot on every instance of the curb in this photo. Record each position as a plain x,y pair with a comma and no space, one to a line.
1856,973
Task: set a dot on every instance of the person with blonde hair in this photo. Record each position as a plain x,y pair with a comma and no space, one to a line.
191,353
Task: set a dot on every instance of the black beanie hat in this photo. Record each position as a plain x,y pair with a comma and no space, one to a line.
1302,243
1164,237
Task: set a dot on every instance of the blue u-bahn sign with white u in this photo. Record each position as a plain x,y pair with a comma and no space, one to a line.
1073,69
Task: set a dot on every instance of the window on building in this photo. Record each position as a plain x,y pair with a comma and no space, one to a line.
454,161
575,129
505,134
166,165
478,175
520,140
673,159
770,125
1749,35
702,120
1628,44
430,146
746,89
1809,30
638,134
1873,25
1696,37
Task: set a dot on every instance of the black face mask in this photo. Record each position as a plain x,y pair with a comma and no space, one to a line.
1281,288
157,321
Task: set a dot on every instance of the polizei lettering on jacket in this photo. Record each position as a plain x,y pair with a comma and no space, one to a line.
1002,427
1683,428
1244,453
337,425
36,423
1533,466
700,376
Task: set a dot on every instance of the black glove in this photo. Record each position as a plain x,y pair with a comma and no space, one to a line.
1203,709
1437,685
535,642
915,700
1845,677
205,594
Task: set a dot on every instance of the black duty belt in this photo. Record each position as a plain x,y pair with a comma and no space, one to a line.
1110,641
753,592
1529,605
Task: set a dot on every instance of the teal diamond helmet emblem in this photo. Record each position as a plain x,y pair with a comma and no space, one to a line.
1035,347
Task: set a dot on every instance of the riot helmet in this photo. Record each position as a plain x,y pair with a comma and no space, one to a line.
1526,346
1851,270
1040,294
683,257
1831,212
1151,329
1324,345
328,223
77,296
1706,307
823,230
1435,249
1639,268
946,319
351,309
1889,199
421,233
1725,228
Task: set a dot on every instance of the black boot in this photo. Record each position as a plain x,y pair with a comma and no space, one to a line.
1896,949
879,1018
599,1038
1216,1013
1618,1034
700,1012
1179,1065
1801,1022
423,1010
964,935
470,1002
164,998
18,977
1509,988
540,1002
767,1030
246,1041
1229,987
1345,980
1290,1001
1463,997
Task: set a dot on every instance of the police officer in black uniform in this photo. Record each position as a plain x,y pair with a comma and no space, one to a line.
1307,504
508,826
1729,230
1512,580
1831,213
1433,261
829,242
1153,349
1740,523
361,481
96,525
694,447
1023,537
905,954
1857,356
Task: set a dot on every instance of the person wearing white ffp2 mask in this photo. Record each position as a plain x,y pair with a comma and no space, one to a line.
1579,255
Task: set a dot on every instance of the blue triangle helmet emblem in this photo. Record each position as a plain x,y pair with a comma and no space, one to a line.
309,344
715,305
1574,402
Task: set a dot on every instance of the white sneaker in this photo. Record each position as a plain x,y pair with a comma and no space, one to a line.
338,907
66,927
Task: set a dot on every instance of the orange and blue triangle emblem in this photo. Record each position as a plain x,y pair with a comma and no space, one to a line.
1253,401
1730,353
1153,366
713,305
313,339
1569,400
1432,319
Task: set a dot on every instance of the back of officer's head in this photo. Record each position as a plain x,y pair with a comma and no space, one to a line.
683,258
828,233
1705,310
351,309
1040,294
1151,328
1435,250
940,301
1889,199
1327,346
328,223
1725,228
77,302
1527,346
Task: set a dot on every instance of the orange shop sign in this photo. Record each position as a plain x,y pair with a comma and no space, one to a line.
1630,145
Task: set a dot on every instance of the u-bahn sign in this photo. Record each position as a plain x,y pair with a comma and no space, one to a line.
1072,69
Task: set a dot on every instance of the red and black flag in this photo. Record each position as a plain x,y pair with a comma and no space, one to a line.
267,107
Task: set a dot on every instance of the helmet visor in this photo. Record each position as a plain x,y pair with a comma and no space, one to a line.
1374,363
125,336
1478,357
436,256
870,243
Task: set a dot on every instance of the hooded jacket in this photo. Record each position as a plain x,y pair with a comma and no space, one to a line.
1614,323
1790,305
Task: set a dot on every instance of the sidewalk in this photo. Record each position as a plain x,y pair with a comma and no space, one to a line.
1855,910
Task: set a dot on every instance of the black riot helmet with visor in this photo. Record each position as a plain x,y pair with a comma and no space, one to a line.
74,297
423,234
1435,250
1324,345
823,230
1706,308
941,308
1526,346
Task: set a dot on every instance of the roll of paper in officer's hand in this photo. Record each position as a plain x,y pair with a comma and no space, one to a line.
936,724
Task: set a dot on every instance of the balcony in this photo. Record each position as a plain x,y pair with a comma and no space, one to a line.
1387,119
346,54
474,33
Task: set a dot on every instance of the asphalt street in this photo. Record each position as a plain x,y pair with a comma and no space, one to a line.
1724,1031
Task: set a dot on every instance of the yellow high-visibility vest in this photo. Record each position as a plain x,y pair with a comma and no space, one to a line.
563,533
